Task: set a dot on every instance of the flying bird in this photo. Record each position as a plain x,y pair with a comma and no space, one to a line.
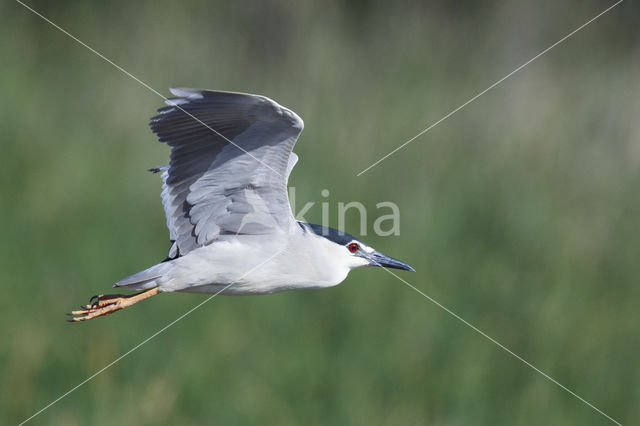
225,196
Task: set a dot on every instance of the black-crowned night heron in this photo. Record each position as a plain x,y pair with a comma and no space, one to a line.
228,214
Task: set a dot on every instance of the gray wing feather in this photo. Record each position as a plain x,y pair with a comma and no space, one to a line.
293,160
212,187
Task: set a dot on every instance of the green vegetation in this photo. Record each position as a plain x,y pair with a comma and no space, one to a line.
520,213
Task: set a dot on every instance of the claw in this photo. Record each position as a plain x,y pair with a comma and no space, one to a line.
102,305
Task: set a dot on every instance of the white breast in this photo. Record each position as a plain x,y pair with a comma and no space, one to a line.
261,264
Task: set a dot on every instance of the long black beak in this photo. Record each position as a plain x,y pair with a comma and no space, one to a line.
378,259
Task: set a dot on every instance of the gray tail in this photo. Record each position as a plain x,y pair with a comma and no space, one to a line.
144,280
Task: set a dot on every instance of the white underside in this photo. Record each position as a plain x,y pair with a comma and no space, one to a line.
252,264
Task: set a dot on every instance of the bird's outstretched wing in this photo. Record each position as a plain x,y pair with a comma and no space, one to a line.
230,161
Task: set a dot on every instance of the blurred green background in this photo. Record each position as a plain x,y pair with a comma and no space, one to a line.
520,213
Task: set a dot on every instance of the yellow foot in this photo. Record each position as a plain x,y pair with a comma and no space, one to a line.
106,304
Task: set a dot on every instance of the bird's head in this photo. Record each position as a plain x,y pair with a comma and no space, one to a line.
354,252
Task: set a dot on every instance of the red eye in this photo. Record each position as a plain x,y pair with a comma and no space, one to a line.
353,247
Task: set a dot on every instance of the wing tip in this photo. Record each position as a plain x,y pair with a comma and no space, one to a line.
186,93
158,169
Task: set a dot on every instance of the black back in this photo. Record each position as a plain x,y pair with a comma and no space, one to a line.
332,234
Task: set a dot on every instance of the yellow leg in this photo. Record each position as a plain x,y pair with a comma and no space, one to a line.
106,304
